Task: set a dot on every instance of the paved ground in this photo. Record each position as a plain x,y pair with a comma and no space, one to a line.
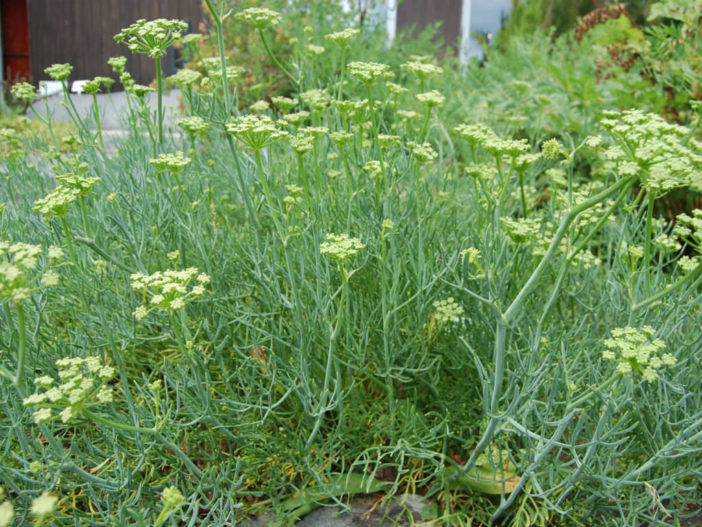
365,511
113,108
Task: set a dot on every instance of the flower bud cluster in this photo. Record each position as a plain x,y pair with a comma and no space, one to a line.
341,247
368,72
689,228
423,153
151,37
169,290
83,384
58,202
174,162
316,99
431,98
59,72
422,70
194,125
23,91
447,310
660,154
521,230
637,352
185,78
19,276
284,104
259,17
256,132
342,38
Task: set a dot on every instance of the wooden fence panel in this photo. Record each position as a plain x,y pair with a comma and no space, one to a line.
420,13
82,32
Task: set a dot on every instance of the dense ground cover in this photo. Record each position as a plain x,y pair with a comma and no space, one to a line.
396,276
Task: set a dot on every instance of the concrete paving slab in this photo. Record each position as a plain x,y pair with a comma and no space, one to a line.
113,108
363,511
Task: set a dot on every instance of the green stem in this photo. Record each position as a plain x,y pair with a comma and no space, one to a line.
84,215
425,126
22,354
341,77
69,241
159,94
516,305
523,194
222,55
285,72
97,122
692,275
303,180
376,141
324,404
647,242
267,192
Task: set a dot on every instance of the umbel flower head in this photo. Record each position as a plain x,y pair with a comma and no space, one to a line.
431,98
316,99
284,104
82,384
342,38
169,290
58,202
23,91
185,77
661,155
259,17
151,38
421,69
341,247
44,505
637,352
447,310
194,125
422,152
256,131
173,162
690,229
59,72
368,72
78,182
19,276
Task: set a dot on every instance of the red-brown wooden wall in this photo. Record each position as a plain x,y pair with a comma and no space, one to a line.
82,32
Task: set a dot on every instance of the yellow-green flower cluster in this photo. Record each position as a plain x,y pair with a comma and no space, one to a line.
479,134
447,310
79,182
284,104
92,87
422,70
255,131
636,351
689,228
23,91
342,38
59,72
260,107
7,512
18,270
117,64
83,384
169,290
151,38
521,230
259,17
368,72
660,154
185,77
194,125
302,143
341,247
423,152
340,137
316,99
297,118
44,506
58,202
431,98
552,149
173,162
